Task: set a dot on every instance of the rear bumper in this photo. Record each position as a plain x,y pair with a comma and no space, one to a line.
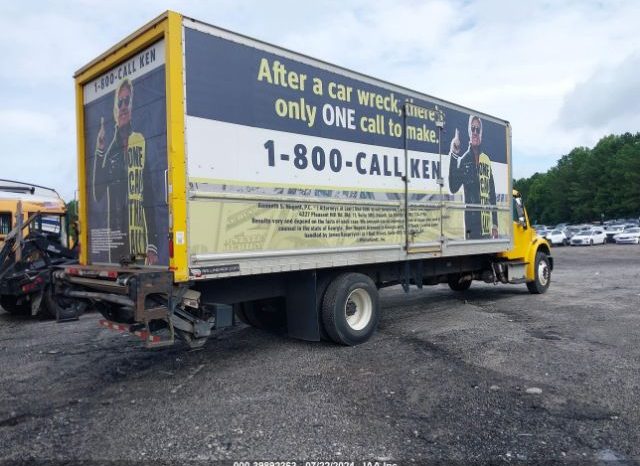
122,288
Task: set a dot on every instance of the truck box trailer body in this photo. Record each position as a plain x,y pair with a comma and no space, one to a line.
218,173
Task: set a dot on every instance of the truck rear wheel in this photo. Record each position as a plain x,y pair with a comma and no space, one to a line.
350,309
457,283
266,314
10,304
542,276
60,307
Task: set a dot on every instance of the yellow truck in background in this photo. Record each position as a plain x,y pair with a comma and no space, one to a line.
33,240
18,201
223,178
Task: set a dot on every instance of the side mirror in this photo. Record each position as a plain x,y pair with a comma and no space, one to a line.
522,218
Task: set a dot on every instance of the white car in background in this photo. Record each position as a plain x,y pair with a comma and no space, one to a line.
589,238
611,231
557,238
629,236
542,231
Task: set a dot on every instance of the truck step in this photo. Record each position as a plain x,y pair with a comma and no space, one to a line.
151,340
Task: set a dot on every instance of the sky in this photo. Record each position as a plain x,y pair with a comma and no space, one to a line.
563,72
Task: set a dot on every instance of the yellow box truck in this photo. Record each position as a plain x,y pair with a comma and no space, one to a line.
224,178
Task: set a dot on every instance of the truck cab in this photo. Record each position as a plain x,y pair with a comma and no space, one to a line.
33,239
18,201
529,248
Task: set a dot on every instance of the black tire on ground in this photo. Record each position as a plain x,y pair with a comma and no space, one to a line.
350,309
456,284
542,274
10,304
238,310
58,304
266,314
321,288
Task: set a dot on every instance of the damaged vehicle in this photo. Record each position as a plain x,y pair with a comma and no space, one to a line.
35,242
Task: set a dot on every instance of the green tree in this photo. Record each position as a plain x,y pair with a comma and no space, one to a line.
586,183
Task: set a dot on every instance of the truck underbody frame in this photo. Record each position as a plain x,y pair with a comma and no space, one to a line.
146,301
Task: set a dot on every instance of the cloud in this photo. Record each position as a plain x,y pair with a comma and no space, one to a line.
36,59
561,72
608,100
377,37
20,123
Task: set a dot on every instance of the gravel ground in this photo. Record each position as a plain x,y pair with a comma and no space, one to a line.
493,374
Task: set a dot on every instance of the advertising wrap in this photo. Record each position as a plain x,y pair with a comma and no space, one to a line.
285,154
126,160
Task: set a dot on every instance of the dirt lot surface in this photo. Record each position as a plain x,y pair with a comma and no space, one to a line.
491,374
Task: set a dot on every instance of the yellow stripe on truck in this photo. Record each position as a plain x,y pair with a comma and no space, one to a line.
177,182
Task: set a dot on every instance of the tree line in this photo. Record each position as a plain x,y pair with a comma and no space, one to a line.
587,184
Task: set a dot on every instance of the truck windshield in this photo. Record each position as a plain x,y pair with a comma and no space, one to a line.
48,224
5,223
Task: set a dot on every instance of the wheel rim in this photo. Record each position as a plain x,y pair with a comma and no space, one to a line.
358,309
543,273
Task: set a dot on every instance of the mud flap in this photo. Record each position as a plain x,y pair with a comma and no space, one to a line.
36,302
303,322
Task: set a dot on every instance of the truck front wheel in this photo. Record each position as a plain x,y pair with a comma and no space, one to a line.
542,274
350,309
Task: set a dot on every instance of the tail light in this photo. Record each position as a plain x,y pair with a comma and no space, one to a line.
35,284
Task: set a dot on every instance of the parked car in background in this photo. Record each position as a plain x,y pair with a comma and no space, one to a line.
571,230
589,238
557,238
628,236
542,230
539,227
613,230
575,229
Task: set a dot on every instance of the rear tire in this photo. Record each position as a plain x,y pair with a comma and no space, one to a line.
239,311
10,304
57,305
456,284
542,275
350,309
265,314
